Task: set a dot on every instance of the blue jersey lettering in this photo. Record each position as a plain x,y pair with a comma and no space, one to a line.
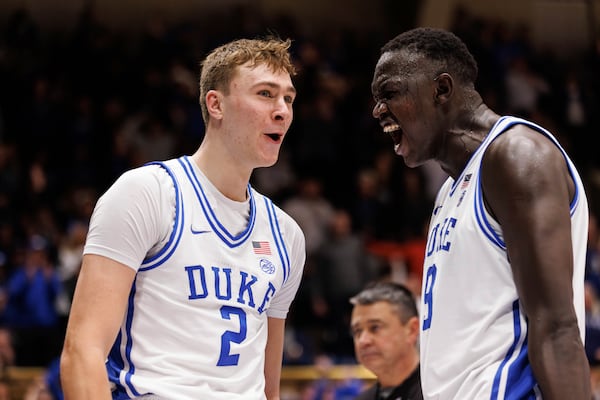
224,285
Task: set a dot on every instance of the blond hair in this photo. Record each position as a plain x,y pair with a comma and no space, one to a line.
219,67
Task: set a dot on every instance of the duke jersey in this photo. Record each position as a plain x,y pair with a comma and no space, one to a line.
196,323
474,333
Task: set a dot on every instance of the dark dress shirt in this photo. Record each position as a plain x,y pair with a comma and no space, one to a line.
410,389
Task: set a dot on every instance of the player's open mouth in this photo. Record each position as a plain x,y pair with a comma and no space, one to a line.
391,128
276,137
394,131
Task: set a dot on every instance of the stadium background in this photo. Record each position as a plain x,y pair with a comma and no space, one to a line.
90,89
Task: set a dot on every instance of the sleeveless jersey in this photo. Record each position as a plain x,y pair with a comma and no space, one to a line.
196,322
474,332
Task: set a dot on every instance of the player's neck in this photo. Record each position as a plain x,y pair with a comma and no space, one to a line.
225,175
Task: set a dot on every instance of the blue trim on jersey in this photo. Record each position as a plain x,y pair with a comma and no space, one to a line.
515,121
520,383
481,218
277,236
576,197
165,253
575,201
481,146
479,205
229,239
116,363
129,342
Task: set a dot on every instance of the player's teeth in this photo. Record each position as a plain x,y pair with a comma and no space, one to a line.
391,128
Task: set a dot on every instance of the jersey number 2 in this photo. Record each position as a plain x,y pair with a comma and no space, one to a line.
228,337
428,296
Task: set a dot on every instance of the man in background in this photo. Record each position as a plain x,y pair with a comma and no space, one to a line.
385,328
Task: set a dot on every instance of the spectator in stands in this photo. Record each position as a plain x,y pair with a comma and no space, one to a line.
70,254
524,87
5,388
7,350
385,327
370,205
592,257
32,290
342,266
313,211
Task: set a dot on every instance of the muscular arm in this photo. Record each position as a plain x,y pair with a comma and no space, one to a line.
98,307
528,188
274,357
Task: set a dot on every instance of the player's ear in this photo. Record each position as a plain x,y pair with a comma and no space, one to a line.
443,87
214,104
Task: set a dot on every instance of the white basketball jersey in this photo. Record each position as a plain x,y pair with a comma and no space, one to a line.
196,324
473,330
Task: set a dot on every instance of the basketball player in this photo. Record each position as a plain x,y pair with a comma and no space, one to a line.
385,328
502,310
188,272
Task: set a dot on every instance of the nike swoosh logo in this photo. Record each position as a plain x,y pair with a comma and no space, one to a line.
199,232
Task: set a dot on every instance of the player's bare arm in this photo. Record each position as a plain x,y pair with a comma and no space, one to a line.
274,357
100,301
528,188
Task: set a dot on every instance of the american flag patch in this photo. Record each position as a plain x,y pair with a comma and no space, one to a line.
261,248
466,181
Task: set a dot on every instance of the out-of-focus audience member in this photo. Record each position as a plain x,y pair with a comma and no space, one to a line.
7,349
32,291
312,210
592,291
5,389
70,255
342,266
592,256
592,325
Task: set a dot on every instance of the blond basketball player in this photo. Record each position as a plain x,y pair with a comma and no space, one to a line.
189,272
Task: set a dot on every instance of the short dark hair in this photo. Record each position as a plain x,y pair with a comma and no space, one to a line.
396,294
439,45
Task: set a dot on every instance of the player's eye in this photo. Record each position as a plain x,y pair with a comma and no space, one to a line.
265,93
387,95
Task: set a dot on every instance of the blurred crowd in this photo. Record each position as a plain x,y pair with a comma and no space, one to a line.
78,107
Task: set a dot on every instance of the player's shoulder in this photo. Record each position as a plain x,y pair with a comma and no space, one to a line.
524,137
291,227
285,221
523,147
288,220
146,176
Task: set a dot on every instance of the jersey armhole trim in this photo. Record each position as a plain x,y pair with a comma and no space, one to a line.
177,230
278,237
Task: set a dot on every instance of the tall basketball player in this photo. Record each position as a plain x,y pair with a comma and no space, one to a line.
188,272
502,313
